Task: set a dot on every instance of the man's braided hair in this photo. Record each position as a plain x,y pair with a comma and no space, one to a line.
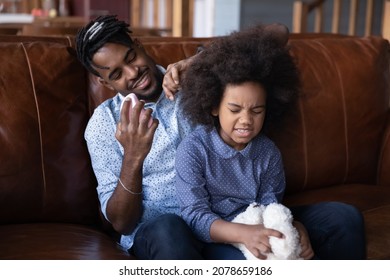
102,30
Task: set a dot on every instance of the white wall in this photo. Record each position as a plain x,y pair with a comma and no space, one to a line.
216,17
220,17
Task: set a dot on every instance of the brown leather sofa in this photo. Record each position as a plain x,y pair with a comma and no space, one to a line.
335,143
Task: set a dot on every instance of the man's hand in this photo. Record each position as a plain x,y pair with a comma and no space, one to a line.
278,31
173,76
134,131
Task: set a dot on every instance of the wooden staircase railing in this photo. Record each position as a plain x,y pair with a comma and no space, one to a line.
170,17
302,9
386,20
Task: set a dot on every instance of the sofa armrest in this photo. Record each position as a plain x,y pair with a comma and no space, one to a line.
384,157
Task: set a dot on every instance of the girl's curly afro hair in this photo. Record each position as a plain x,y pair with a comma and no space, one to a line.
250,55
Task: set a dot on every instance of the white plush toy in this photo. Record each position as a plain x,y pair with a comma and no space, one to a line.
274,216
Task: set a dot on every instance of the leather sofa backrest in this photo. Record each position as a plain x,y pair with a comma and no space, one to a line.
334,134
45,174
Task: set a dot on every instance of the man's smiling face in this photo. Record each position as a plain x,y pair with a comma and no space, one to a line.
128,69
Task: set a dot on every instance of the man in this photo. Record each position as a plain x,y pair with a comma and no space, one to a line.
134,162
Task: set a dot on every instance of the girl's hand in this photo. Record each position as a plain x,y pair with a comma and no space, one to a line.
256,239
307,251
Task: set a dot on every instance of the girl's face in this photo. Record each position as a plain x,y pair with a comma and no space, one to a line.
241,113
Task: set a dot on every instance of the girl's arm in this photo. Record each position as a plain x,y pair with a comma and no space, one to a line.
191,189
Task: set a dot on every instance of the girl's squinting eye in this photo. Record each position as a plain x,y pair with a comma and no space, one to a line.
258,111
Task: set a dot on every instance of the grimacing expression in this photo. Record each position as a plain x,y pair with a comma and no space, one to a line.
241,113
128,70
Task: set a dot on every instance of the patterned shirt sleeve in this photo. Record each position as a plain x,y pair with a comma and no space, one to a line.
105,152
273,179
191,190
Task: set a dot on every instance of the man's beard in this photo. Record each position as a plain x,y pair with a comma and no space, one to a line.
152,94
157,91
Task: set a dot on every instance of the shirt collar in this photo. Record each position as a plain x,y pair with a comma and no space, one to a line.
227,152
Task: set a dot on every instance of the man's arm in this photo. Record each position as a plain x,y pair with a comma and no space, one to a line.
124,207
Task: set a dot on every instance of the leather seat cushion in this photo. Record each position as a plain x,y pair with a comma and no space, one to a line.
57,242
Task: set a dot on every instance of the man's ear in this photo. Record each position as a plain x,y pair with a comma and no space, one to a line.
104,83
138,43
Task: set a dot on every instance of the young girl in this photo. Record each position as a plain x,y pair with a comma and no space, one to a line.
233,88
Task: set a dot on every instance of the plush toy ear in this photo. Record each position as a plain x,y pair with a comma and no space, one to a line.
279,217
251,216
